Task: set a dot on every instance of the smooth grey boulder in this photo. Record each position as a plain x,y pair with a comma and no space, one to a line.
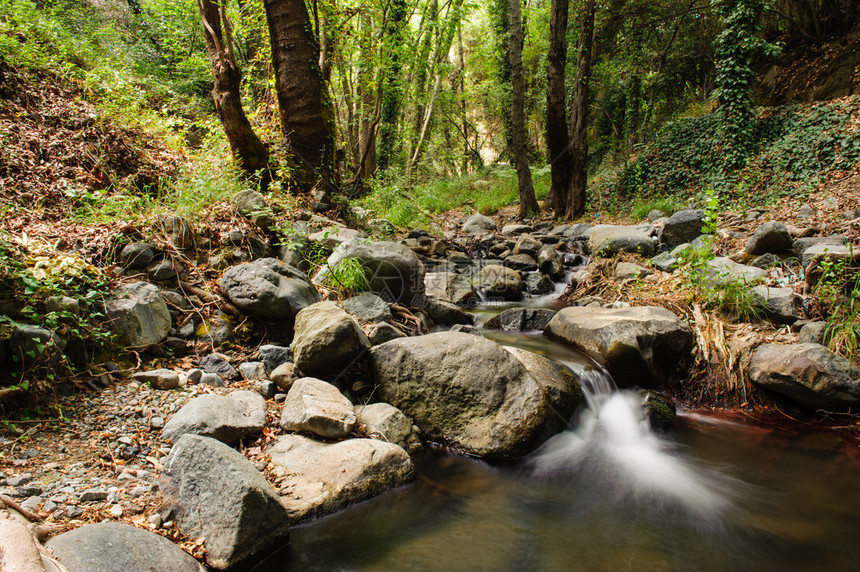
316,478
367,307
222,497
226,418
319,407
640,345
158,378
217,363
332,237
268,288
520,319
516,229
326,339
473,394
479,223
630,271
115,546
446,313
136,255
722,271
498,281
393,271
550,262
272,356
809,374
522,262
527,244
608,240
387,423
772,237
383,332
779,304
681,227
138,315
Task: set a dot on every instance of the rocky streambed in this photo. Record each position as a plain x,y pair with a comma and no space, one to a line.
223,452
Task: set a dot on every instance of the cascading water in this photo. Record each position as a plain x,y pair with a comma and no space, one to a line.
614,446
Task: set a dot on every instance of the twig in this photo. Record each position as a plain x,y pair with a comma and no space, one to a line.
15,506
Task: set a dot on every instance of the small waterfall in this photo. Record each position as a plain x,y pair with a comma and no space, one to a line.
614,447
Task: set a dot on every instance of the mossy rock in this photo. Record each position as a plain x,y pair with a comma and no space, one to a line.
659,409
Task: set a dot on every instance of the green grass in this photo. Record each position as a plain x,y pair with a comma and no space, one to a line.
667,205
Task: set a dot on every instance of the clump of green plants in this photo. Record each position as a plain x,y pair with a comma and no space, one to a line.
838,288
347,278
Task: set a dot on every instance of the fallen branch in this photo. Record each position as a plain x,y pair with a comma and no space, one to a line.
16,507
207,296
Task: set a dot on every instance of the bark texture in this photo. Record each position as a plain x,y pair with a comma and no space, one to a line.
556,109
579,115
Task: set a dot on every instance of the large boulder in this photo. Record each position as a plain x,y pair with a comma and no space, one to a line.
550,262
640,345
222,497
722,271
681,227
609,240
319,407
450,287
138,315
326,339
479,223
527,244
332,237
473,394
499,281
393,271
269,289
809,374
114,546
779,304
773,237
316,478
387,423
367,307
18,549
226,418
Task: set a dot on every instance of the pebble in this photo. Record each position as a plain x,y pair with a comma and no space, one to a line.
94,495
74,511
116,511
21,479
32,503
157,423
155,520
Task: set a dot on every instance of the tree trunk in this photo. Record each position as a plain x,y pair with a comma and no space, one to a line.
557,138
579,116
528,203
393,85
247,147
306,114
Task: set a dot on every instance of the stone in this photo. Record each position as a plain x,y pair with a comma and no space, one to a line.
217,363
772,237
387,423
63,305
283,376
805,211
654,214
177,230
640,345
479,223
446,313
253,205
162,270
802,244
226,418
326,339
18,549
779,304
550,262
221,496
473,394
538,284
660,410
608,240
578,230
814,254
158,378
629,271
665,262
114,546
527,244
722,271
500,282
765,261
367,307
138,315
212,380
522,262
383,332
813,333
136,255
94,495
266,388
252,370
332,237
319,407
194,375
268,289
317,478
381,226
520,319
393,271
516,229
272,356
681,227
34,344
809,374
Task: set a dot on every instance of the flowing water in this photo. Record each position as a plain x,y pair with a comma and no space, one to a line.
609,494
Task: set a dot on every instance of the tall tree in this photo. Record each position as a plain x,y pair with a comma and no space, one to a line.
528,202
306,114
556,109
579,115
392,90
247,147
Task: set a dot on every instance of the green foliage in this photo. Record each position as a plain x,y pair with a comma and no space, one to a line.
347,278
838,288
642,206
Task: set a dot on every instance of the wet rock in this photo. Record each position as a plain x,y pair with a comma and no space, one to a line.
222,497
217,363
392,270
779,304
550,262
527,244
479,223
538,284
681,227
317,478
114,546
474,394
283,376
367,308
383,332
326,340
809,374
138,315
770,237
387,423
723,271
158,378
136,256
522,262
225,418
446,313
269,289
520,319
639,345
500,281
273,356
607,241
659,410
319,407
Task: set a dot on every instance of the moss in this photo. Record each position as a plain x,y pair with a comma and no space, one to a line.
660,410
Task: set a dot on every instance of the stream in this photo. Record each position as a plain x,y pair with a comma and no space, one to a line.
610,494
